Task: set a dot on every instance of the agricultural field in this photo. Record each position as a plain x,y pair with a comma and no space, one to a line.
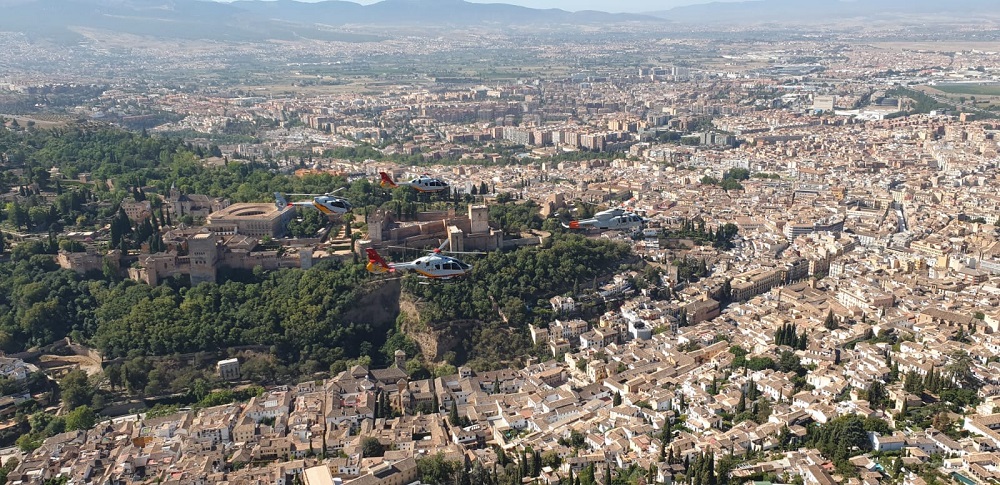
969,89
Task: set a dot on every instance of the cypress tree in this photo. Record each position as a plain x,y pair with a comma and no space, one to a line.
830,323
453,413
710,469
463,477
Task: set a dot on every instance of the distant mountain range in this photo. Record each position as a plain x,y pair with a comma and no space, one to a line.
248,20
257,20
824,11
425,12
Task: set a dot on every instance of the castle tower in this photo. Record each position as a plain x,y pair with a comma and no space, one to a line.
403,395
479,218
456,239
204,252
375,225
400,359
305,258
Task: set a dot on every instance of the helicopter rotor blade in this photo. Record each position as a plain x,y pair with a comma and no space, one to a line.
410,248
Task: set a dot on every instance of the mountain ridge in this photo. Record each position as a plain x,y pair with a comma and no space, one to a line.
257,20
822,11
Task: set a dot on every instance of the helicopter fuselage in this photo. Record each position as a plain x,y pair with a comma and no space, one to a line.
436,266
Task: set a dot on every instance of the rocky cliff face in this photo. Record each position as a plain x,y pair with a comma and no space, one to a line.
435,339
380,306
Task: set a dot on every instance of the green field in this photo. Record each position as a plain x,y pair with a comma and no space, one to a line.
970,89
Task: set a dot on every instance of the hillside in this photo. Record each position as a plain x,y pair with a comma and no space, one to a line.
258,20
825,11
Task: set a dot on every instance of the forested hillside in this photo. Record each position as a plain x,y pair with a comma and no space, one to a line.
518,285
297,313
309,320
135,160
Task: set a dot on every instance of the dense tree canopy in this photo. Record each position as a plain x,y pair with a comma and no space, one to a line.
134,160
40,303
297,312
509,284
845,437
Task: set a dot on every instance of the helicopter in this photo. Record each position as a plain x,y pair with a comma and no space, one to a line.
423,183
433,266
327,203
617,218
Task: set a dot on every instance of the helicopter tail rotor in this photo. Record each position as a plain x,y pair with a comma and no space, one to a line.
280,202
386,181
376,264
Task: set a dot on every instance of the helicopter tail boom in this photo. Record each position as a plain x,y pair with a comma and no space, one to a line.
578,224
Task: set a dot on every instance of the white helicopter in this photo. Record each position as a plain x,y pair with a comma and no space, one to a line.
423,183
618,218
328,203
433,266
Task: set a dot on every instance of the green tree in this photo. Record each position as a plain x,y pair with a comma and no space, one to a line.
877,395
830,323
960,367
8,467
81,418
453,417
436,470
550,458
371,447
76,390
789,362
17,215
760,363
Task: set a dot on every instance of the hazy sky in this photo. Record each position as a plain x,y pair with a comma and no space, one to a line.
604,5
